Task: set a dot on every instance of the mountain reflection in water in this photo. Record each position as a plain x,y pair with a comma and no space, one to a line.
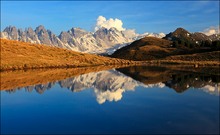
109,85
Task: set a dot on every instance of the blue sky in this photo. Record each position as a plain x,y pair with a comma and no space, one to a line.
143,16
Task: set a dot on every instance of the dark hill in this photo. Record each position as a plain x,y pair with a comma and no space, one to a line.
182,34
147,48
179,42
182,37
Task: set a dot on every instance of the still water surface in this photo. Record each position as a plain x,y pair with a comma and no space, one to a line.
126,100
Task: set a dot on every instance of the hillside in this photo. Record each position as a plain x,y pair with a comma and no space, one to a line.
168,49
148,48
210,56
197,40
21,55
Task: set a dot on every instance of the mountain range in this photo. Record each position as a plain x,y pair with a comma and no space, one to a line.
102,41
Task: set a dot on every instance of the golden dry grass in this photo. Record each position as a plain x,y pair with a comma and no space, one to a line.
155,50
148,48
197,59
22,55
186,63
207,56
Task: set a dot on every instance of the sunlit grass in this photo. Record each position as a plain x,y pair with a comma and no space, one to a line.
22,55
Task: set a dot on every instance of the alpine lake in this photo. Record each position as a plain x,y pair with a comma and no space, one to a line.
99,100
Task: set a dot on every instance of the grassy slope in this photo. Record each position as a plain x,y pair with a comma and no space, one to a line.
154,50
147,48
200,59
20,55
207,56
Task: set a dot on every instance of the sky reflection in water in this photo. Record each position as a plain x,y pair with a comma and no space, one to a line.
129,101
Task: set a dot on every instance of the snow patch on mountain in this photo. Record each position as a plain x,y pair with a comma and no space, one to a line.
109,36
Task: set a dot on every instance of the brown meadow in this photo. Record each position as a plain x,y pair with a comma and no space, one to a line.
21,55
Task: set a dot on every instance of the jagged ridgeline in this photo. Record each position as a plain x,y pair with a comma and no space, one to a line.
74,39
102,41
182,37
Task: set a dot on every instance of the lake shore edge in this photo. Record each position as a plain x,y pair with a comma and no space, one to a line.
178,63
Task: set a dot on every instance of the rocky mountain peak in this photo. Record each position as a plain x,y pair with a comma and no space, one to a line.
40,27
76,39
180,29
180,32
199,36
77,32
10,29
29,30
214,37
113,29
102,30
64,36
43,35
40,30
12,32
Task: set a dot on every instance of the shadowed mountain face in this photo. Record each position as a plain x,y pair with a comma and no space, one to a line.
110,85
